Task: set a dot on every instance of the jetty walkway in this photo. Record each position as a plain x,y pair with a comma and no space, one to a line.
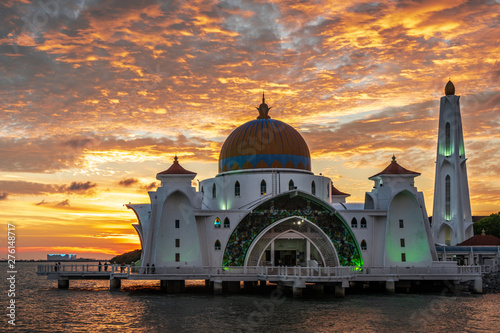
173,278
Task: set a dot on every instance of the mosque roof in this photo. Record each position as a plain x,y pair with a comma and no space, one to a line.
264,143
335,191
176,169
395,169
481,240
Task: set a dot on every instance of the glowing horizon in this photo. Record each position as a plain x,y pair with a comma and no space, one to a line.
97,98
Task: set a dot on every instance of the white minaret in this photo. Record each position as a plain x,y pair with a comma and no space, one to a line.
451,218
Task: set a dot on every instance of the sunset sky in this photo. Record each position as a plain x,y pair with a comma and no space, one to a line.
98,96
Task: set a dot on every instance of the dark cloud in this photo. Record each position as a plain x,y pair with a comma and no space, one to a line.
149,187
60,153
128,182
64,203
4,196
17,187
79,187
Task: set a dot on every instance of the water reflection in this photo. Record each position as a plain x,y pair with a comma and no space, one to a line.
141,306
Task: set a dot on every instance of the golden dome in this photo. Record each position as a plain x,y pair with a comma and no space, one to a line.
264,143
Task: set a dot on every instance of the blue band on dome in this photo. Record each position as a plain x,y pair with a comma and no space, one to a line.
227,163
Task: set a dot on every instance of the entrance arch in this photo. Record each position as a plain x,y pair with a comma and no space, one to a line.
299,205
313,238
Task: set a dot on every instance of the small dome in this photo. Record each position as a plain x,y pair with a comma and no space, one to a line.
176,169
449,89
264,143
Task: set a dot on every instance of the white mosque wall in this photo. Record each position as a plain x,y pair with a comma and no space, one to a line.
172,237
210,233
406,236
251,191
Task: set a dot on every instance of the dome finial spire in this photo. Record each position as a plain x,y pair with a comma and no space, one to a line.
263,109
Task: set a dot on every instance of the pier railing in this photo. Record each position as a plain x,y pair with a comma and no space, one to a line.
83,268
266,272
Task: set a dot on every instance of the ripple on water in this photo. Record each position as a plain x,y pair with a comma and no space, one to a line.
140,306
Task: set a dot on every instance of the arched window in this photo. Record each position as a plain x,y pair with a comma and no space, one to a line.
291,185
214,191
237,189
202,191
363,223
217,222
263,187
363,245
447,146
313,188
354,223
217,245
227,223
447,196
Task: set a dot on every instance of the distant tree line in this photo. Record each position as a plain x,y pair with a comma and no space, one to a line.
127,258
490,225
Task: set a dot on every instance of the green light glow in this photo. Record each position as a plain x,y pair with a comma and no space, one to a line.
461,148
445,150
416,246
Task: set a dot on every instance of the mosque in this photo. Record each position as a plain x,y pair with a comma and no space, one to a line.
266,207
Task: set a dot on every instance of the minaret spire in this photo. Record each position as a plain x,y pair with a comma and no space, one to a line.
451,218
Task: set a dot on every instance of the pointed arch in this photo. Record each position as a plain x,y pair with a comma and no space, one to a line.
363,223
217,222
291,185
227,224
313,188
354,223
263,187
301,228
445,232
237,189
363,245
217,245
282,207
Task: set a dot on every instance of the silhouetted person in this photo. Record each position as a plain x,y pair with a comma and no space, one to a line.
147,268
153,269
122,268
55,267
100,266
105,266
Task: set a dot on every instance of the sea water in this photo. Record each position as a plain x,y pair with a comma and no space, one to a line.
140,306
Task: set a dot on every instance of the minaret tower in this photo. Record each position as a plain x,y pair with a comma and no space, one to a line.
451,218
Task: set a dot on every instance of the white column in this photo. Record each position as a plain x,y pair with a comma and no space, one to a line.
272,253
308,251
